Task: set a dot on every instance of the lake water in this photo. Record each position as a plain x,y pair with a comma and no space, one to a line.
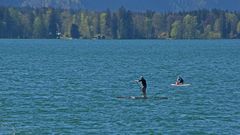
70,87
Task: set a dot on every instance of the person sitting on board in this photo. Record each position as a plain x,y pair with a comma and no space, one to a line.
143,86
179,81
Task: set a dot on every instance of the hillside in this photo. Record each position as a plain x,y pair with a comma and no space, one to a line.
134,5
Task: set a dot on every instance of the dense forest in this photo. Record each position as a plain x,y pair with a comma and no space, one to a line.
120,24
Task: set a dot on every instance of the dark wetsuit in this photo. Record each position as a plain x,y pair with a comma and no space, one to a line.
144,86
180,80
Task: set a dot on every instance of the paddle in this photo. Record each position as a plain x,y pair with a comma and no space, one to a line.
140,87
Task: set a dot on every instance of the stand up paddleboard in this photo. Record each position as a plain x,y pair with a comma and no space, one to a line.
181,85
141,97
132,97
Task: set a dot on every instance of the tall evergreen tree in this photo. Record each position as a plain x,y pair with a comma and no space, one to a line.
129,25
114,28
75,31
108,23
122,23
53,27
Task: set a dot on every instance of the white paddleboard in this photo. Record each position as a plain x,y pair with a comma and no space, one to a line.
133,97
181,85
141,97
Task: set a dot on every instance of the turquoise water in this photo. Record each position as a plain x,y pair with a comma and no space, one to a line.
70,87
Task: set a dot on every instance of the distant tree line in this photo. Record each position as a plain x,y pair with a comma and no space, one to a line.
120,24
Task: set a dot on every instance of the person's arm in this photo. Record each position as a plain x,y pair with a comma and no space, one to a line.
136,80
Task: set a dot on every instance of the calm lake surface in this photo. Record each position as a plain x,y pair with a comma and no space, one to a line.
70,87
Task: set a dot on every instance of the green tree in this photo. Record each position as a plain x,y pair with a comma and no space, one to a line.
122,23
103,27
85,31
108,24
232,21
177,30
223,24
129,25
238,29
149,24
38,28
125,24
26,22
139,26
53,27
217,28
114,28
159,25
13,26
190,26
75,31
67,18
3,24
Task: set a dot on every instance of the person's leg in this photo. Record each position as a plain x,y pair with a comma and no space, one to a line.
144,90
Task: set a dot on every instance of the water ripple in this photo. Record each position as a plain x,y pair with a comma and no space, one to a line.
55,87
